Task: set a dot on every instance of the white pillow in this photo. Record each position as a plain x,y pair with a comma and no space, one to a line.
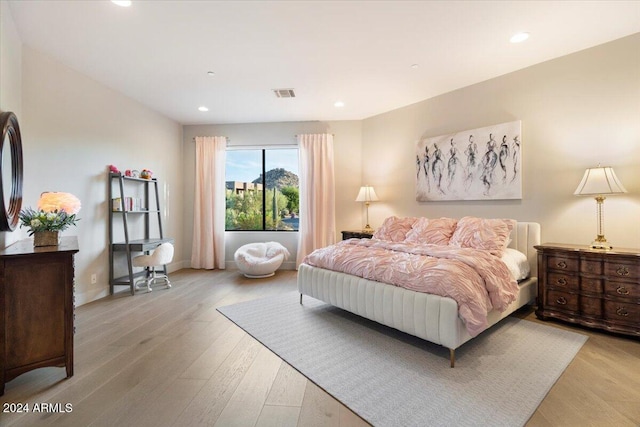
517,263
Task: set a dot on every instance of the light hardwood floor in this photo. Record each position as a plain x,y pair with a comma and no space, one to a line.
168,358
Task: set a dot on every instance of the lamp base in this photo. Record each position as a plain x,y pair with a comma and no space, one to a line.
367,229
601,244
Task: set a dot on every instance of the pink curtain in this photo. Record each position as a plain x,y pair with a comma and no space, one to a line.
209,203
317,226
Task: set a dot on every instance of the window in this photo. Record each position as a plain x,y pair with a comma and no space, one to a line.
262,189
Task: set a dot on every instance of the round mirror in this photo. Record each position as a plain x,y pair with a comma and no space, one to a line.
10,172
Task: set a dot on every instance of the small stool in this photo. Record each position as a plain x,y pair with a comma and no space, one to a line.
162,255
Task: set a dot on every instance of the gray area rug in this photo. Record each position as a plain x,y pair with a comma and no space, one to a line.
392,379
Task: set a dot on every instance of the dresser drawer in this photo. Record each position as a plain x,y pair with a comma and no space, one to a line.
622,289
562,300
560,280
591,266
559,262
591,307
622,270
621,312
591,285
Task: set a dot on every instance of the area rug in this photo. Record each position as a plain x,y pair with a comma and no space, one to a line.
392,379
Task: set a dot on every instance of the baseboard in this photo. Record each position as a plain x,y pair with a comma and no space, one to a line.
287,265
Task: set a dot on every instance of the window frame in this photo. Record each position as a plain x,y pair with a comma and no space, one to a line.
263,172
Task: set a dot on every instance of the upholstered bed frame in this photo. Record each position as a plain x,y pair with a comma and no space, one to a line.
430,317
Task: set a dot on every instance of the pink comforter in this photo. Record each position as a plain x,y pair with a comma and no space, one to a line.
475,279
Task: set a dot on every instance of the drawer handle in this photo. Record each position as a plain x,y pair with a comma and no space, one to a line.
561,300
561,264
622,312
622,271
622,290
562,281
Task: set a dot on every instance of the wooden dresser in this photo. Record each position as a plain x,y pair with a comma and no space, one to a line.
594,288
36,307
356,235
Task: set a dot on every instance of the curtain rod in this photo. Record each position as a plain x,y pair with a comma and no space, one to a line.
229,139
194,138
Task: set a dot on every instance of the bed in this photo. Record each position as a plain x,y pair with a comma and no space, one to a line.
432,317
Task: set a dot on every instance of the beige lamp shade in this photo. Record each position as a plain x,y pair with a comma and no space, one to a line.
367,194
600,180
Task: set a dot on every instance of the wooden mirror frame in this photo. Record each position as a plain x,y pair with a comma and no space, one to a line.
9,215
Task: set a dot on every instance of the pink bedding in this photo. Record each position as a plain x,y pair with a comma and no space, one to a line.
477,280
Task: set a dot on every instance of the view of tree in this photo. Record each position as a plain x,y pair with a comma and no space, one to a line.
293,196
244,210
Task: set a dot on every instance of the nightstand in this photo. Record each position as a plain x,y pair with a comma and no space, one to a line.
356,235
594,288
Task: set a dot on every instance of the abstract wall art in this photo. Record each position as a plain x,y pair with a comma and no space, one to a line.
477,164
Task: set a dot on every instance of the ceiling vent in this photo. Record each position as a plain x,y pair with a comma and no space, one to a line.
284,93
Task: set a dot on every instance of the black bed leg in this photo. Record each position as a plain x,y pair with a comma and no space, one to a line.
452,357
300,299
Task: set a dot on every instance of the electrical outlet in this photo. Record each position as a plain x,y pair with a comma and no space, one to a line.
94,279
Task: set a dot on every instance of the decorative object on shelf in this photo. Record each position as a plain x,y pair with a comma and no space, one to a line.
146,174
477,164
56,212
598,182
10,171
113,169
367,195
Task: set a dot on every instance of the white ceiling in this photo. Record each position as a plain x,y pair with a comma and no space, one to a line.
359,52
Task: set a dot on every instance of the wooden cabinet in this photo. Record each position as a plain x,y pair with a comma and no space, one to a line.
356,235
36,307
595,288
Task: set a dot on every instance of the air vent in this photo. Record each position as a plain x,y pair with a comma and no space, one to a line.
284,93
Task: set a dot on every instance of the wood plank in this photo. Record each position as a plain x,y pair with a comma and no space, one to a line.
247,401
318,408
288,387
279,416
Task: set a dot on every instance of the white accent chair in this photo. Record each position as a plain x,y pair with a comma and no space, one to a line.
257,260
162,255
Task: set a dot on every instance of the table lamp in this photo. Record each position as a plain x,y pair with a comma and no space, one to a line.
598,182
367,195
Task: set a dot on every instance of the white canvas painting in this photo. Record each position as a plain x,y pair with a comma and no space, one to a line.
477,164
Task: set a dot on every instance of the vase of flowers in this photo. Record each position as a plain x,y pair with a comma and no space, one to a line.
55,213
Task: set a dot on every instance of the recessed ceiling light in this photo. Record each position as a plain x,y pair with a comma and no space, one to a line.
123,3
203,108
519,37
210,73
414,66
338,104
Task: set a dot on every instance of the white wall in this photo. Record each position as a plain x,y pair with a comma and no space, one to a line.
72,128
347,150
576,111
10,81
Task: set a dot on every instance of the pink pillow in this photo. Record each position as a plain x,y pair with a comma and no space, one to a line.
432,231
394,229
480,233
